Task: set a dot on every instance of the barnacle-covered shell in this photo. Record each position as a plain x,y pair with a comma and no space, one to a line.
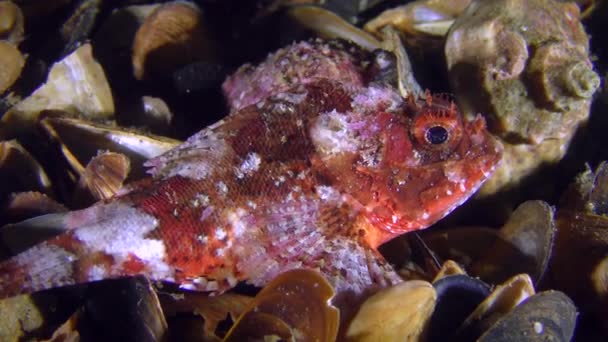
11,22
296,303
524,64
12,62
105,174
20,315
171,36
578,265
76,84
398,313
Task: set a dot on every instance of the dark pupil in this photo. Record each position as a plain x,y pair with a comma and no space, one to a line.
437,135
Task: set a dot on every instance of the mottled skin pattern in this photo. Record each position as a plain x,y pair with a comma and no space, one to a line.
317,176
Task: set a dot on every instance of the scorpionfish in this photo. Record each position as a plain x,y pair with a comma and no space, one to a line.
315,167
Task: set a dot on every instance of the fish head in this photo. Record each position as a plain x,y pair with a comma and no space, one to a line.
415,160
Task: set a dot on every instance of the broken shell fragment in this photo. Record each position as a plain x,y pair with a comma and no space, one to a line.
68,331
214,309
398,313
12,62
76,84
449,268
173,35
11,23
24,205
296,303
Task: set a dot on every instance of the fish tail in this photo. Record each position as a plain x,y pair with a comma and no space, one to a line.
101,242
20,236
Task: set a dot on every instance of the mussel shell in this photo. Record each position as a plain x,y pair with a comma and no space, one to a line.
19,170
546,316
457,297
125,309
501,301
327,24
400,312
524,245
81,140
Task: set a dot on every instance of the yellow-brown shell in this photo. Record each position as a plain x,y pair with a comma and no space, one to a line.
171,36
12,62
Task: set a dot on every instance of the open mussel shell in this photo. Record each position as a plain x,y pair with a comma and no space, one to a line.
80,141
296,303
457,297
502,300
524,245
398,313
76,84
19,171
422,23
327,24
546,316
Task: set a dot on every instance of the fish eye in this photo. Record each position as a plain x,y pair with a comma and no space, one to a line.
437,127
437,135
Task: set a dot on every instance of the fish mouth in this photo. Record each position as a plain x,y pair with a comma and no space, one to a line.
419,197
